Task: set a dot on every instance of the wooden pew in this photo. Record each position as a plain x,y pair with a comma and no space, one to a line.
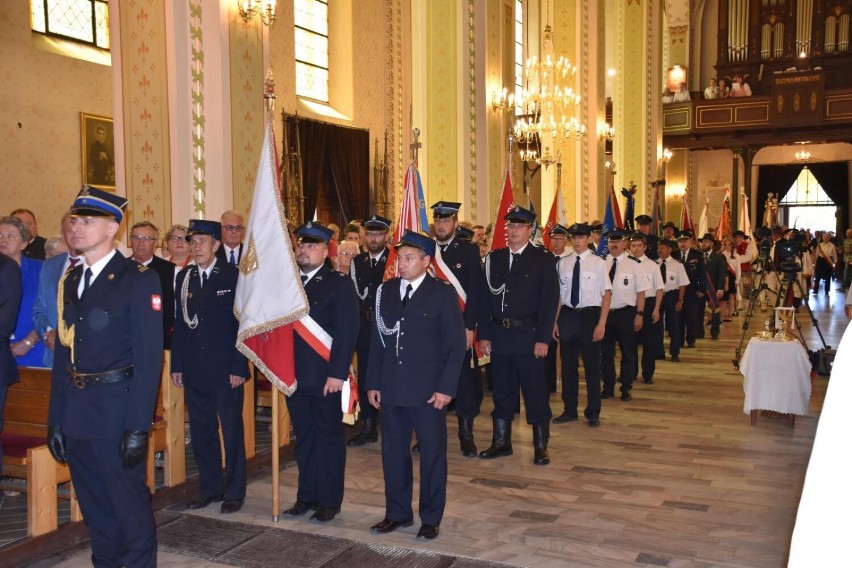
25,455
167,434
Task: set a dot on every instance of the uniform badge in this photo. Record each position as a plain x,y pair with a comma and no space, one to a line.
626,282
110,276
156,302
671,277
458,265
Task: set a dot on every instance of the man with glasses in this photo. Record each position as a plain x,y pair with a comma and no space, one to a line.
515,329
144,237
233,231
367,271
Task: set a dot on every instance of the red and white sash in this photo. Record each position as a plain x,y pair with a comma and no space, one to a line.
320,341
443,272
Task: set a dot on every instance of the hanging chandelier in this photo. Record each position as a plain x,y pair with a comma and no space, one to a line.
546,106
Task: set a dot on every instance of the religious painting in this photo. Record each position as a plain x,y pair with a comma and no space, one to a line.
98,146
674,77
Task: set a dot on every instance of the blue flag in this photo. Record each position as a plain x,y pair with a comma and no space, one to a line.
421,206
608,225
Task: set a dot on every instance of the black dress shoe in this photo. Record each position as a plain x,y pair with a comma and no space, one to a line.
202,502
564,418
606,393
415,449
675,358
594,421
231,506
625,396
690,344
428,532
300,508
387,525
325,514
648,381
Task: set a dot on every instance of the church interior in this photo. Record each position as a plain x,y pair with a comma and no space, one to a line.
565,100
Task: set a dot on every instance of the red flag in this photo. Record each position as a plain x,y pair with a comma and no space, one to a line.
269,295
499,239
686,218
557,215
724,228
616,210
409,218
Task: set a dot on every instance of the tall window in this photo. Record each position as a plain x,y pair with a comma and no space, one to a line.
312,49
808,205
519,49
84,21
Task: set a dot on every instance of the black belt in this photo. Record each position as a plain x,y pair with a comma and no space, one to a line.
83,380
579,309
368,315
675,291
508,323
622,308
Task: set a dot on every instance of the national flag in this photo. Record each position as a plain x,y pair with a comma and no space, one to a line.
608,225
702,221
410,215
499,238
557,215
269,297
745,227
724,228
686,218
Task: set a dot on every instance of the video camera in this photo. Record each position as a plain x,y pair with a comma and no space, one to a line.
787,252
763,236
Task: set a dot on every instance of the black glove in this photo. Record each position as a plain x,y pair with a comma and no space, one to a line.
56,443
134,448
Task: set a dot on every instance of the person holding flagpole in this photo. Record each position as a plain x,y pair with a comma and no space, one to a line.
457,261
515,328
324,345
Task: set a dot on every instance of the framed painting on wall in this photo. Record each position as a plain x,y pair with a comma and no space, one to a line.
98,145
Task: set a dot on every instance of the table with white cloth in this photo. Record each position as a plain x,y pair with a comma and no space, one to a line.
776,378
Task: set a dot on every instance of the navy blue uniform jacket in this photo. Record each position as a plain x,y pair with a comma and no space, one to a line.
431,344
532,293
118,322
334,306
462,257
208,352
10,303
166,271
694,266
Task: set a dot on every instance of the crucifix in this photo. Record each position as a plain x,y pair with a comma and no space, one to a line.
415,145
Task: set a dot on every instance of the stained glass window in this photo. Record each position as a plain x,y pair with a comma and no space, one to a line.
311,38
84,21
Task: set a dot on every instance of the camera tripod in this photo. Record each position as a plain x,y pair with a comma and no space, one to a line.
787,279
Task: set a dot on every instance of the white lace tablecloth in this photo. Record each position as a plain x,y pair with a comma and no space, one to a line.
777,376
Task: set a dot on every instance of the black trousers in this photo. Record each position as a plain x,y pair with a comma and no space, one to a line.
469,393
320,448
822,272
715,319
575,339
524,373
115,502
619,329
363,350
692,318
550,366
430,427
672,318
210,405
650,337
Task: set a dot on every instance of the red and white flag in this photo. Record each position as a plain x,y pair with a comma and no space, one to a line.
409,217
269,296
702,221
557,215
724,228
686,218
499,238
745,227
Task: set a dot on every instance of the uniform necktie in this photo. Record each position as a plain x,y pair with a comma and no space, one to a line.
443,249
612,270
72,262
373,262
706,256
304,278
575,284
408,290
663,271
516,256
203,279
233,258
87,280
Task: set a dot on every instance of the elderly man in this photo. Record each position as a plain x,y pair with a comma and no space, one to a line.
106,372
35,248
233,231
206,362
315,407
45,314
144,238
416,351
